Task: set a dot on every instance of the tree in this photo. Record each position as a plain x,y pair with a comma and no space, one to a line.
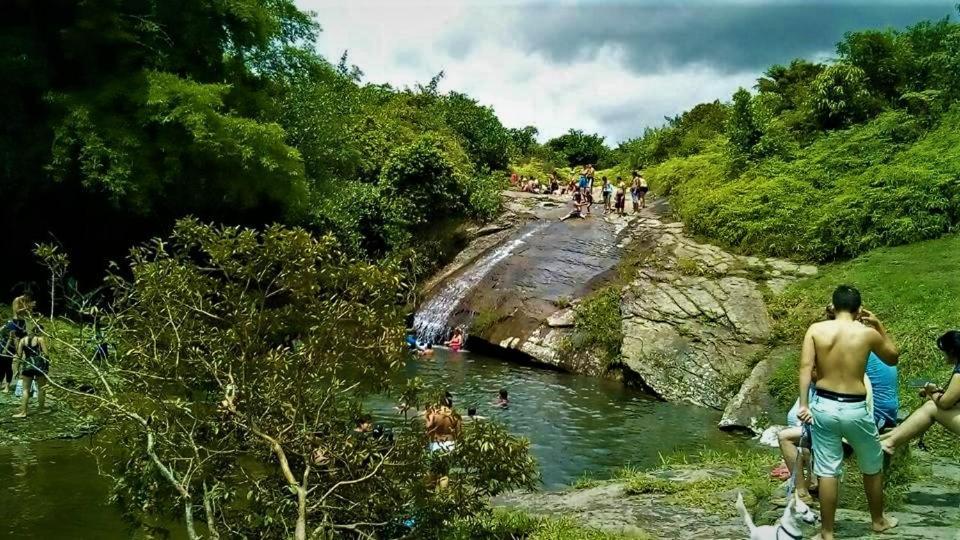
243,360
579,148
742,128
841,96
523,140
422,175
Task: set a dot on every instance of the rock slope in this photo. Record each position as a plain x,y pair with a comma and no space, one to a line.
693,316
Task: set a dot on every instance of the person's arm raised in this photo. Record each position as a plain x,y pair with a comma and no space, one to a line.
808,358
880,342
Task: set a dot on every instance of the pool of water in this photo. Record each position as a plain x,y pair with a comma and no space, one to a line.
577,425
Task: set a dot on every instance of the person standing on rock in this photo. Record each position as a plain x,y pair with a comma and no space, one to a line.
621,198
35,364
642,189
838,350
607,192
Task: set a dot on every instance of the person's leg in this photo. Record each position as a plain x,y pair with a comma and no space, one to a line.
828,449
914,426
949,418
860,429
788,439
6,373
27,382
41,391
829,487
873,486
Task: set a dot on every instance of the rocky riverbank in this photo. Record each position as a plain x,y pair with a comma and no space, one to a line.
697,502
693,317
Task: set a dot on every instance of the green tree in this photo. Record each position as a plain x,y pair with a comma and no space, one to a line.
243,360
579,148
742,128
841,96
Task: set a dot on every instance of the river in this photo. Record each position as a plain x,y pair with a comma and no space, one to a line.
577,425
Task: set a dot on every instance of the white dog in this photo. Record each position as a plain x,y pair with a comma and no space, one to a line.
789,526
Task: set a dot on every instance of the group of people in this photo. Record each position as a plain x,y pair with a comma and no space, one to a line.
614,194
848,396
24,356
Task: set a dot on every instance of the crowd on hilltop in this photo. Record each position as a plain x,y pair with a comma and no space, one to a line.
581,190
848,401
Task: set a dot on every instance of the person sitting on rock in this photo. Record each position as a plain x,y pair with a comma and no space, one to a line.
789,440
942,405
577,211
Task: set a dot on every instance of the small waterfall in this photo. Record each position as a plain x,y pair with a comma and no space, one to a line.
431,320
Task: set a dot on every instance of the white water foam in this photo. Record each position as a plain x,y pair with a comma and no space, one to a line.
431,320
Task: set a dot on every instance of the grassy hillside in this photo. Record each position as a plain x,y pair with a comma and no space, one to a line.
822,162
914,289
886,182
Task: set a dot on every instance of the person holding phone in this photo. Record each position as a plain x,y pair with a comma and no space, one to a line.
942,405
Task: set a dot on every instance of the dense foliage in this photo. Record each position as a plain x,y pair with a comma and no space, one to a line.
823,162
121,117
244,362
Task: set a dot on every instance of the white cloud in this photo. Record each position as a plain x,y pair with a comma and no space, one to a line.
404,43
516,59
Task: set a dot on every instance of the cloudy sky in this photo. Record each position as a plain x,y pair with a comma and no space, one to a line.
610,67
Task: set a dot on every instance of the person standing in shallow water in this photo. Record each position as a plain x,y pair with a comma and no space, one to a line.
11,334
35,365
838,350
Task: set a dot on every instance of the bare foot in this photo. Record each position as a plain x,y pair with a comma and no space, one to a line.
885,525
20,415
823,536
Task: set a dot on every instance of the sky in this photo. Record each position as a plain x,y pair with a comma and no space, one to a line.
607,67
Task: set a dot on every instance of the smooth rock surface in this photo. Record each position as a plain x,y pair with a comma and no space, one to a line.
693,315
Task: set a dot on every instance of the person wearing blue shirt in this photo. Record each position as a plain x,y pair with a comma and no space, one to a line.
886,401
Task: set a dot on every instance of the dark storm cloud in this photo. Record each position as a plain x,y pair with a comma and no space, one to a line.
658,37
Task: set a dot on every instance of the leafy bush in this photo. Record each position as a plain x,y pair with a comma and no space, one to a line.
598,325
882,183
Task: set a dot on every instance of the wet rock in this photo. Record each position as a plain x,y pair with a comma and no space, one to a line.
693,315
561,319
609,508
748,409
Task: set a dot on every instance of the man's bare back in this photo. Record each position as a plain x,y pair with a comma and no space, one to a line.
841,349
442,424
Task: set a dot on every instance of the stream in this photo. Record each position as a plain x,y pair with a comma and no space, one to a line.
577,425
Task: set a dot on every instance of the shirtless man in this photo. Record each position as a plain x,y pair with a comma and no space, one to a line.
443,425
839,349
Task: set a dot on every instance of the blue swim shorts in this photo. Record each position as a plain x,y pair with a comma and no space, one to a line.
834,421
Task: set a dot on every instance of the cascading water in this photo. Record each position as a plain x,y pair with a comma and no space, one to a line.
431,320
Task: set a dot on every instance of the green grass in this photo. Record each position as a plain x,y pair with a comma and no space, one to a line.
883,183
597,325
504,524
915,290
748,472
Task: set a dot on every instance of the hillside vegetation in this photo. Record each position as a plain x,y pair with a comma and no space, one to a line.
823,161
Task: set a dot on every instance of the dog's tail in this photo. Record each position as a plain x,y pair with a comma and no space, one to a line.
743,512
